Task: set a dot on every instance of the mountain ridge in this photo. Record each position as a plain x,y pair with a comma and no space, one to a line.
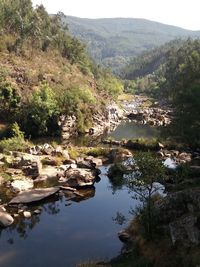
111,42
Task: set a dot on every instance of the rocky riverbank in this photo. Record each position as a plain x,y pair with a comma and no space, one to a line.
138,109
25,177
101,122
141,110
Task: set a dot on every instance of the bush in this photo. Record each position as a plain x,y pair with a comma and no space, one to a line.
16,142
9,99
39,117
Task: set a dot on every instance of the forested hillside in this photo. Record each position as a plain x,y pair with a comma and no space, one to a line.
172,72
44,72
112,42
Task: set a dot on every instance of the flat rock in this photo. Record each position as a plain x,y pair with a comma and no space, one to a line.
34,195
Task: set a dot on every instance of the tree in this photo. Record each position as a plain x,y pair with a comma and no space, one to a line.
143,182
40,116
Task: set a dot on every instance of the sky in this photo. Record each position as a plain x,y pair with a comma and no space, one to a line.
182,13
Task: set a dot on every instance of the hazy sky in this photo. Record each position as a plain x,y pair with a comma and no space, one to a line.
183,13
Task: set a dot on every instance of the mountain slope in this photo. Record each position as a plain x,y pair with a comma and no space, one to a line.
45,73
113,41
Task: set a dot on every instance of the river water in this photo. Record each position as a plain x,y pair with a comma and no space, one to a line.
131,130
69,232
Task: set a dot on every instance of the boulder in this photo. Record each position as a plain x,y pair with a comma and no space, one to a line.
47,149
27,214
185,156
58,151
124,236
65,154
5,218
80,177
22,185
34,195
96,162
69,161
50,172
30,164
81,163
120,154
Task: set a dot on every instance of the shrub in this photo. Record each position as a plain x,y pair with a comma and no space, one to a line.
39,117
16,142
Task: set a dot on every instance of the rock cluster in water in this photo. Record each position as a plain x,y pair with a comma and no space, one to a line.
39,164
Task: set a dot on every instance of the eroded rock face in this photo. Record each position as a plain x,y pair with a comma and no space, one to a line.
5,218
179,211
184,230
68,125
79,177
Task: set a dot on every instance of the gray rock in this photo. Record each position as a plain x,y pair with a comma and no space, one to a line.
184,230
80,177
58,151
22,185
37,211
47,149
34,195
124,236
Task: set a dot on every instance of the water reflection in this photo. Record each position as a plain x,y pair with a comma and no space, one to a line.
131,130
22,226
68,230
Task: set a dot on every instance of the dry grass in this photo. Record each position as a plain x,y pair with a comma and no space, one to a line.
27,72
124,97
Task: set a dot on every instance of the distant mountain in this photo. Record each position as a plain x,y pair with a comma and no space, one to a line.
113,41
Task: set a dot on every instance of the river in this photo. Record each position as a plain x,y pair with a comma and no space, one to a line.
69,232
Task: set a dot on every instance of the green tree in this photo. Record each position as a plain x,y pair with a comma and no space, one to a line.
144,183
40,115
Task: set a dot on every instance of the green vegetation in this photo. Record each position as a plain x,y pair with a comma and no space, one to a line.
39,115
172,72
144,184
112,42
15,142
46,73
182,87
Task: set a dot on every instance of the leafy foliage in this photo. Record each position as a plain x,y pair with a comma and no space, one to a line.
172,72
40,115
143,183
15,142
9,99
